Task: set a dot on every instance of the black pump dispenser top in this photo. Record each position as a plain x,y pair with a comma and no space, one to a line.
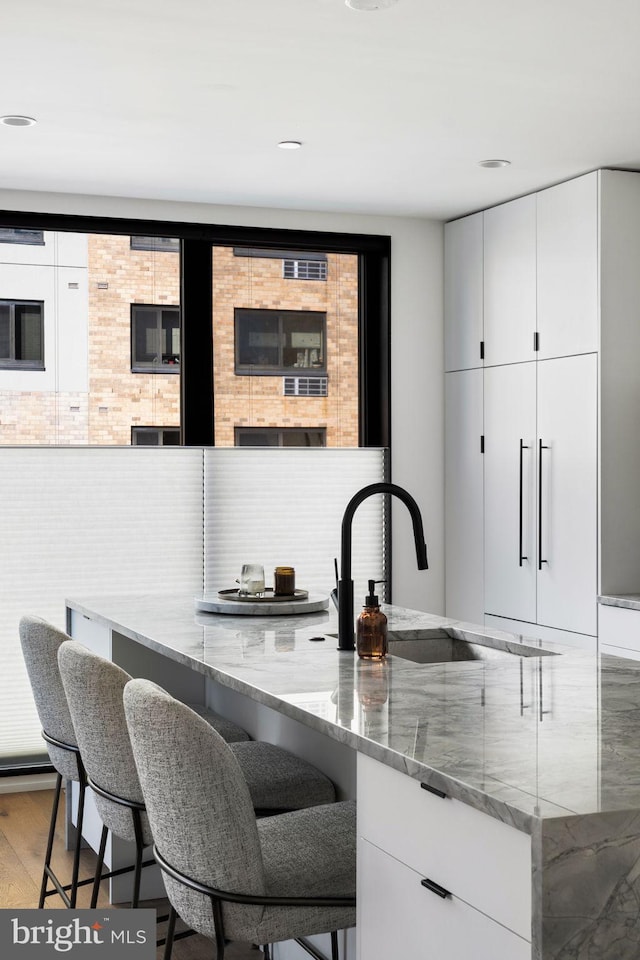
372,600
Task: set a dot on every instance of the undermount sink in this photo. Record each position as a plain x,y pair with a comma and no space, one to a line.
441,645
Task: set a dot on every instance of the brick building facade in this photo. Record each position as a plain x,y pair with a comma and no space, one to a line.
123,286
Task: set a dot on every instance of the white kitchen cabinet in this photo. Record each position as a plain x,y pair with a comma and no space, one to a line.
619,631
484,865
464,559
510,486
567,494
541,492
567,268
587,243
510,282
402,918
463,307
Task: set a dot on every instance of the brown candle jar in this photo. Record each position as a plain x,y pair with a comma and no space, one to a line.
284,581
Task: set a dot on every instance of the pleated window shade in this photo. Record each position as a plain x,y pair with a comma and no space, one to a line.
84,522
284,507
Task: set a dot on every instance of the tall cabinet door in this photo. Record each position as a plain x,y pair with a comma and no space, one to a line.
567,242
464,561
567,524
463,307
510,282
509,491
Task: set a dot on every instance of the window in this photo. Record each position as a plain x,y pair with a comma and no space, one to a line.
304,269
304,386
155,436
21,334
277,341
171,244
12,235
280,437
155,339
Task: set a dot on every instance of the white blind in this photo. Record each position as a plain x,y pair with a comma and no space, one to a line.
284,507
87,521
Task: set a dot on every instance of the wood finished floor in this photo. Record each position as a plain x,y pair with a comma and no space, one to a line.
24,825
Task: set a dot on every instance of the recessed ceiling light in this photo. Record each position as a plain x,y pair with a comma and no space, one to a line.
494,163
17,121
369,4
290,144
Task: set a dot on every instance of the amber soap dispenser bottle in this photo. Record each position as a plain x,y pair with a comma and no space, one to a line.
371,628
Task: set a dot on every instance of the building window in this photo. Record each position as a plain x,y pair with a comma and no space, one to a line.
281,437
170,244
304,269
22,334
155,436
304,386
13,235
155,339
277,341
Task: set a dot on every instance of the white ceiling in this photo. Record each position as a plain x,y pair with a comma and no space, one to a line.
187,99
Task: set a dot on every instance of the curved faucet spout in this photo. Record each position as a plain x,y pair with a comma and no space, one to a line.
345,585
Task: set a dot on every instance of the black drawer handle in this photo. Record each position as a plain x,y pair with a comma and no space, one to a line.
438,793
435,888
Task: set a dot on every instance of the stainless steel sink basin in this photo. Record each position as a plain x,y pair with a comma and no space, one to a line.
443,645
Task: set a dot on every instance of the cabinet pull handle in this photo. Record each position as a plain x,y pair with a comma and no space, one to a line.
435,888
438,793
541,448
523,446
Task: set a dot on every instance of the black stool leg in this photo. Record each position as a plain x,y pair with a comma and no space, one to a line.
334,945
171,926
52,830
76,854
99,865
137,826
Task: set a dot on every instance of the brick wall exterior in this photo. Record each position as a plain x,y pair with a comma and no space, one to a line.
119,399
257,401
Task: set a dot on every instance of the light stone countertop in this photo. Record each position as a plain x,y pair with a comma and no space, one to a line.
629,600
522,738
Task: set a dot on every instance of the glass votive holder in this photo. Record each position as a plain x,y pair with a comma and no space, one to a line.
284,582
251,580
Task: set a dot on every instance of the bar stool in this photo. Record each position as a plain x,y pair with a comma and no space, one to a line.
94,686
229,875
40,642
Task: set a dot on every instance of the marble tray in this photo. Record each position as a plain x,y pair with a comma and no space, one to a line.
213,603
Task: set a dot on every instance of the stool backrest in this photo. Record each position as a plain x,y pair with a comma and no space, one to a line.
94,688
40,642
197,799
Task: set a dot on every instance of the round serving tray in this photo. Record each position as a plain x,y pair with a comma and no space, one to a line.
269,597
227,601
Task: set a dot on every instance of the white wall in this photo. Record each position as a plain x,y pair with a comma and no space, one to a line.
416,350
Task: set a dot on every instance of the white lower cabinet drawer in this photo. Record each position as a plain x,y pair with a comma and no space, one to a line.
400,919
486,862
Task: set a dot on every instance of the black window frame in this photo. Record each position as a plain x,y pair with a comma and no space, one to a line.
140,366
196,304
11,362
280,369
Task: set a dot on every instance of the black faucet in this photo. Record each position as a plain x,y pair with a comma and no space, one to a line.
345,584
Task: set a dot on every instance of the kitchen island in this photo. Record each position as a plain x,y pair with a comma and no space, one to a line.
498,798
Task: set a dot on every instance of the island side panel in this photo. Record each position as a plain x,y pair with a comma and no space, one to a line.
588,872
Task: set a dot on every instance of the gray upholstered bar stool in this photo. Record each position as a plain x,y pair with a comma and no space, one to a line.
40,642
229,875
276,779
